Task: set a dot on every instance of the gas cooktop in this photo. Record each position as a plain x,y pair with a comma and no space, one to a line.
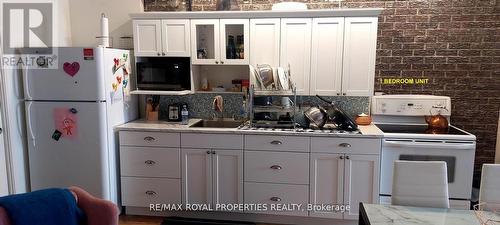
325,130
417,129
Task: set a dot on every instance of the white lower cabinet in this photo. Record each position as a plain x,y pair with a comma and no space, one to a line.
343,179
212,176
277,194
141,192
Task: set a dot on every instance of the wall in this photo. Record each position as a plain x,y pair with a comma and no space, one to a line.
85,19
453,43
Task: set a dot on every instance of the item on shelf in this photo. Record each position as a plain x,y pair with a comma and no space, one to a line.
230,48
236,85
284,81
204,84
202,53
363,119
240,47
286,102
219,89
245,83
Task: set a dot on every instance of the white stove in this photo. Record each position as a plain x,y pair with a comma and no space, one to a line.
406,137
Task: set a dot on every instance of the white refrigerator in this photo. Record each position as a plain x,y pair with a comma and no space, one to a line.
70,115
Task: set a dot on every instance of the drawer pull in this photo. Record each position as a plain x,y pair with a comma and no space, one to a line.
276,167
275,199
345,145
347,157
341,157
275,142
150,162
208,152
149,138
151,193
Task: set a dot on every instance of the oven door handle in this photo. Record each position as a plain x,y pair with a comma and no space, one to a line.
402,144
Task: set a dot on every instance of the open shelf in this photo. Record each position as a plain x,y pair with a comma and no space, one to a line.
221,92
145,92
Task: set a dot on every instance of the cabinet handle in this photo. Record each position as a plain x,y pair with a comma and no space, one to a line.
338,93
275,142
341,157
343,93
345,145
150,162
347,157
163,53
150,193
158,54
208,152
276,167
275,199
149,138
216,62
221,62
213,152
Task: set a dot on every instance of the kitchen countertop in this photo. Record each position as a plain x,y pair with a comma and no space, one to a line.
369,131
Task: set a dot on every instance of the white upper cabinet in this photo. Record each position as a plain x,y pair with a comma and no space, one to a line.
326,56
359,56
295,51
265,42
161,37
223,41
234,41
175,37
205,41
147,37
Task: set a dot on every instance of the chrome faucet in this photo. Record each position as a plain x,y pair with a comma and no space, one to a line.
218,107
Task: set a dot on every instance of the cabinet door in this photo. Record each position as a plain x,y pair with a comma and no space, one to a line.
327,178
360,43
265,41
176,38
196,176
147,37
227,176
326,56
234,41
205,41
296,51
361,183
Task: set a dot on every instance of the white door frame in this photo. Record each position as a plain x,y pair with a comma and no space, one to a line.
5,143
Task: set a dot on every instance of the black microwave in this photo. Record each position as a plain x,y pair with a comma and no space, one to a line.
164,73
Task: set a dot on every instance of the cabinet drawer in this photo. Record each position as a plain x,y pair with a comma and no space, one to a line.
150,162
260,193
221,141
277,143
140,192
276,167
156,139
345,145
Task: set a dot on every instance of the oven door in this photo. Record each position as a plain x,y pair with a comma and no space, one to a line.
458,155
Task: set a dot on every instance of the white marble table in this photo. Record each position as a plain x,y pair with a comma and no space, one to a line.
373,214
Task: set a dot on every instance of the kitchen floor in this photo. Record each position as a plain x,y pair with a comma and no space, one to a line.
146,220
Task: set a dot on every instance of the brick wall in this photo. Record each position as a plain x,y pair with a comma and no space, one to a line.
453,43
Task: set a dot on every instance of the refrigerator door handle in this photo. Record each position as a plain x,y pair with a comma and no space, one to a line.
26,82
28,117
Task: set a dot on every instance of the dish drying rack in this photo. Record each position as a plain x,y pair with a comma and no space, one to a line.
292,110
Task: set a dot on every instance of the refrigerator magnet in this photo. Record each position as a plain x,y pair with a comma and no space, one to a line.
88,54
56,135
119,79
71,68
66,122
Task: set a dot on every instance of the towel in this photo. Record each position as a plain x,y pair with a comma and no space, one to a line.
54,206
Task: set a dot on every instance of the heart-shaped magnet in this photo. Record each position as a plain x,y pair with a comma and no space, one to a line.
71,68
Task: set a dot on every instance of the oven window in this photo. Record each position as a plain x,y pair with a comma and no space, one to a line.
450,162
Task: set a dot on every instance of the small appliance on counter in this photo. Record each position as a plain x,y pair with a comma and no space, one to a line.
174,112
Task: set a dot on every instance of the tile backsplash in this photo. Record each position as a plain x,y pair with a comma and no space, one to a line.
200,105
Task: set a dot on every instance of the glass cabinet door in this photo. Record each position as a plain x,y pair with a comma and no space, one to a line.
234,41
205,41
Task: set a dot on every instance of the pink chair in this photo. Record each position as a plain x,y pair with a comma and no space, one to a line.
98,211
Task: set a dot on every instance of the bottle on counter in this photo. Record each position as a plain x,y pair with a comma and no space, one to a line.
185,115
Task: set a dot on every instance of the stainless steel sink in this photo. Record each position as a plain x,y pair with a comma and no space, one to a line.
218,123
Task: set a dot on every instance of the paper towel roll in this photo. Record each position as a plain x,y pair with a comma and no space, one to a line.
104,37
